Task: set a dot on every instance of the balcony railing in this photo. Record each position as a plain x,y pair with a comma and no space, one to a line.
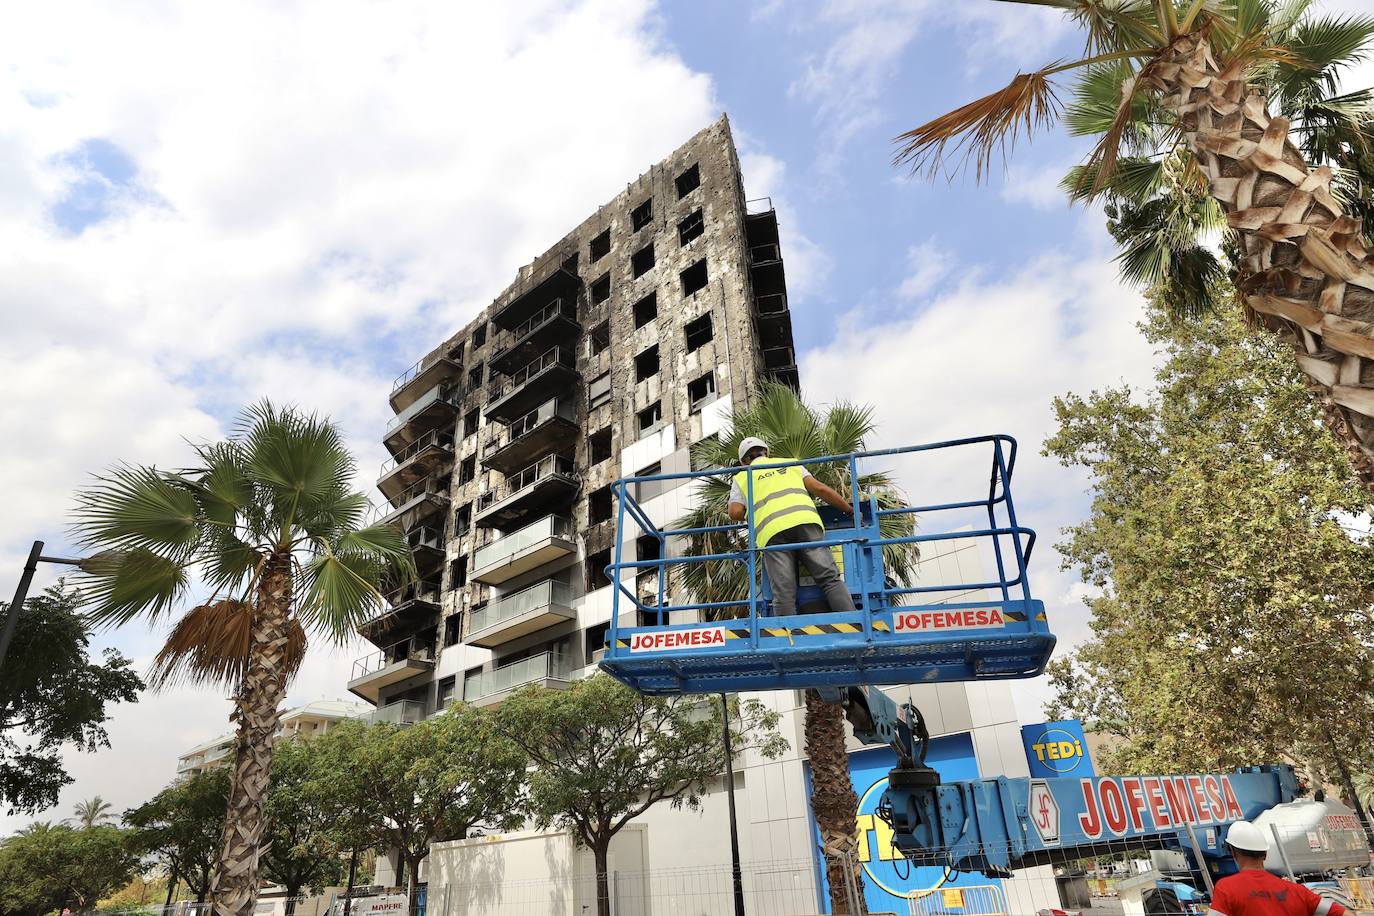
765,254
502,549
425,537
412,649
566,308
553,407
554,356
433,439
439,394
544,666
545,467
426,487
539,595
402,712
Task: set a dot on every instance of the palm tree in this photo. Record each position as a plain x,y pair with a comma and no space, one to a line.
794,429
1180,93
266,519
92,812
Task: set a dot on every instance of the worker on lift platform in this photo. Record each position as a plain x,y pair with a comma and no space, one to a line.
785,513
1252,891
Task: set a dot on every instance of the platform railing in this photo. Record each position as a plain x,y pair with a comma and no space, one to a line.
1003,448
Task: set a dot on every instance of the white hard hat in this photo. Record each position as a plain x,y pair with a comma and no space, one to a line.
750,443
1246,837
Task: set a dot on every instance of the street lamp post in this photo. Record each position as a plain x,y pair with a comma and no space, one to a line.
22,592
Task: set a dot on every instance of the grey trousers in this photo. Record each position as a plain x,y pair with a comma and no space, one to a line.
781,566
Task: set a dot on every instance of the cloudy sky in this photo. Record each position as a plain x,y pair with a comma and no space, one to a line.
205,204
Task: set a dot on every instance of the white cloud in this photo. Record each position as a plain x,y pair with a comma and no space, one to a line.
929,264
1037,187
988,357
320,192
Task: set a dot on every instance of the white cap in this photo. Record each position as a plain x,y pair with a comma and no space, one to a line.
1246,837
750,443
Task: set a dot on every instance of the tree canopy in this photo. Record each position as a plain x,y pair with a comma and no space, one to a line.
181,826
602,754
303,849
47,868
53,695
1233,579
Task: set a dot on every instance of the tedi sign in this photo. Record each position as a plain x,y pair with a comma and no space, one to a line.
1057,749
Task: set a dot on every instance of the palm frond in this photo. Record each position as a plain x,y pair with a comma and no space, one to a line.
122,584
137,508
983,129
300,457
1330,41
209,646
1136,179
339,590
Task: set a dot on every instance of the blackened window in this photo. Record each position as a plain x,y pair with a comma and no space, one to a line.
694,278
599,390
599,446
601,246
691,227
470,422
650,416
475,376
479,336
646,310
642,261
596,640
596,568
462,519
646,364
601,289
699,332
599,505
468,469
601,337
648,548
458,572
688,181
698,390
642,215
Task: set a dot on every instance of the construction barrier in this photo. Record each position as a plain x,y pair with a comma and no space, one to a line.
1361,892
970,900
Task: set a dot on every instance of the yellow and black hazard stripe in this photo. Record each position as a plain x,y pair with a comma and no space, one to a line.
811,629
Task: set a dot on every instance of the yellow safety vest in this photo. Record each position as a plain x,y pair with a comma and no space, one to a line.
780,498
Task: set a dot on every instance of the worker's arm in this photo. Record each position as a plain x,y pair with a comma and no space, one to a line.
737,511
820,490
1319,905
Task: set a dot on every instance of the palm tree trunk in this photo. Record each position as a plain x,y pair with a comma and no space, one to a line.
833,802
234,888
1305,270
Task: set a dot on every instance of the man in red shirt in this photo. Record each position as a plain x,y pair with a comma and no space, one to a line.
1252,891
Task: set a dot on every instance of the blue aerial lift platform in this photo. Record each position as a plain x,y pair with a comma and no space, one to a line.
900,633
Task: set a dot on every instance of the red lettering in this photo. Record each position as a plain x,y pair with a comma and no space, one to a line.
1159,815
1177,793
1199,798
673,639
971,618
1090,822
1135,801
1233,812
1214,796
1113,808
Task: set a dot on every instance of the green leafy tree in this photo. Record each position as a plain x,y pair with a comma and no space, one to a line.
52,696
1236,102
92,812
181,827
302,849
269,520
1232,623
602,754
792,428
419,784
56,868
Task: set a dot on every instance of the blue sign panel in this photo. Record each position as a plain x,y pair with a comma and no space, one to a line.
1057,749
889,879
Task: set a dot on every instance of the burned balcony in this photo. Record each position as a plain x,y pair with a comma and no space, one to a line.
520,614
560,282
431,371
437,408
427,547
487,688
536,545
420,459
554,323
417,503
547,485
397,662
548,426
552,373
407,611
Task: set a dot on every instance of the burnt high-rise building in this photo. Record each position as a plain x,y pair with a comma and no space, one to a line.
613,352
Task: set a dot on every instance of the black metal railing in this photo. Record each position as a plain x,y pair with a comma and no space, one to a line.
554,356
434,438
413,648
545,467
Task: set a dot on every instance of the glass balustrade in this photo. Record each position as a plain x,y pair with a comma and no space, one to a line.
433,439
412,649
514,605
502,549
439,394
544,666
402,712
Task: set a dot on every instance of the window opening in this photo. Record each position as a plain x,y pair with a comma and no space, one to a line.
642,261
650,417
467,470
599,505
688,181
601,246
601,289
694,278
470,422
462,519
596,641
475,376
699,332
599,446
699,390
646,310
458,572
646,364
596,569
479,336
599,390
642,215
691,227
601,337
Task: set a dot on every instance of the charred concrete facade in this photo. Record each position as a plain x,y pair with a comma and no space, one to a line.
611,354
